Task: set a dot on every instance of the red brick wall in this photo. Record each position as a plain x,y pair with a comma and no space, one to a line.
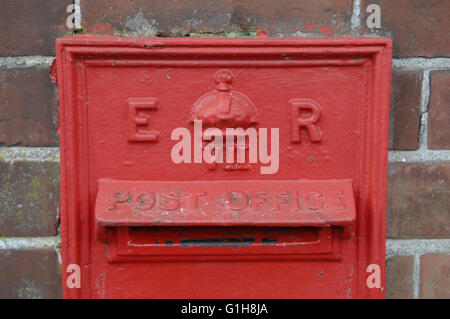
418,245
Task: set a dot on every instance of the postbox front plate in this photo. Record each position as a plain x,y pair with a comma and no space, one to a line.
142,224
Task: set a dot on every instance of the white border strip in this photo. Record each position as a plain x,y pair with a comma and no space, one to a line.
412,247
26,61
78,14
420,64
36,154
355,21
29,242
420,155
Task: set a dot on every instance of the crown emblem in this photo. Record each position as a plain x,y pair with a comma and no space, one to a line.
224,107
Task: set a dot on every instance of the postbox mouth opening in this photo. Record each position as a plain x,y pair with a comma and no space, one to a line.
205,243
221,236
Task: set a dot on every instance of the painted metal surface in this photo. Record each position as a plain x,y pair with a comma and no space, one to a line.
142,226
225,203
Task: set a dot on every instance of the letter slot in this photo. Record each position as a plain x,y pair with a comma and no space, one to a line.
147,220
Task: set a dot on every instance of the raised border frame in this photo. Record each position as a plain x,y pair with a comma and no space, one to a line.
71,76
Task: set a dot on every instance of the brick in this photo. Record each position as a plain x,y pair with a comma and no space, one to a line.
29,198
418,27
405,112
399,277
418,201
435,276
182,18
33,273
31,26
439,111
28,107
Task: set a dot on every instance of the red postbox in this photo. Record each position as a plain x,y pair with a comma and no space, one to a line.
223,168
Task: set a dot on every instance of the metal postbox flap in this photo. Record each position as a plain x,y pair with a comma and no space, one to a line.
287,203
